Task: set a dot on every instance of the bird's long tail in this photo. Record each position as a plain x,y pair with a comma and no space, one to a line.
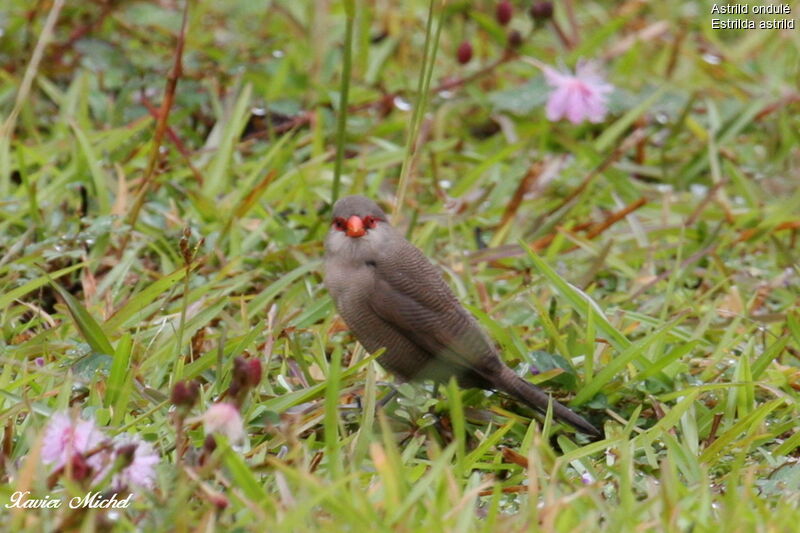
512,384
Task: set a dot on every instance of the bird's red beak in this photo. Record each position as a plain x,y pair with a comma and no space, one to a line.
355,226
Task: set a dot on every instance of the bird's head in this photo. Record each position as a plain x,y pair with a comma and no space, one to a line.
356,216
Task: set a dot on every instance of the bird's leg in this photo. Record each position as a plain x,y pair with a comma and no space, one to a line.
389,397
359,400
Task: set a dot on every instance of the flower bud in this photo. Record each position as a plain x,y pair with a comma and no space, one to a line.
126,453
185,393
219,501
209,444
253,372
503,12
514,39
464,53
541,11
79,467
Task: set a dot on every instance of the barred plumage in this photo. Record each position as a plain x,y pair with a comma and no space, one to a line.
392,297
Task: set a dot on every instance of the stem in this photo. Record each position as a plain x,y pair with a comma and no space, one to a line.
8,125
341,121
161,128
423,93
178,374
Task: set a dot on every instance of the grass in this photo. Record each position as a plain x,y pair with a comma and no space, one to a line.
163,198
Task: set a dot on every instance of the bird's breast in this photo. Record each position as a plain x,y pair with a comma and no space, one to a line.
349,282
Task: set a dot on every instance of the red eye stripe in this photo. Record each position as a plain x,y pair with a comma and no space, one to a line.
370,221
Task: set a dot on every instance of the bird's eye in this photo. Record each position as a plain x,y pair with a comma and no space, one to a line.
339,224
370,221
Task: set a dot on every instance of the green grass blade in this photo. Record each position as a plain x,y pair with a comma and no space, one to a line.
119,370
34,284
331,420
240,473
142,299
578,300
219,173
99,180
616,365
87,325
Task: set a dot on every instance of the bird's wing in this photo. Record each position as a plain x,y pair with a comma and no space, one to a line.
411,295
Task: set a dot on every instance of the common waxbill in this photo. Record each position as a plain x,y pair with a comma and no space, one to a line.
392,297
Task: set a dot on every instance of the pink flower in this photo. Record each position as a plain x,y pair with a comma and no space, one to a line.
68,440
577,97
224,418
141,461
63,438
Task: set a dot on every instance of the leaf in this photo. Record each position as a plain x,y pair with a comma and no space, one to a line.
331,419
119,370
280,404
489,442
792,322
266,296
579,300
544,361
142,300
98,176
34,284
87,325
521,100
457,421
220,166
669,421
91,365
422,486
749,423
241,475
616,365
615,130
465,184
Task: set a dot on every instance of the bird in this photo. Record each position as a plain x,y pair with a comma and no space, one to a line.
393,298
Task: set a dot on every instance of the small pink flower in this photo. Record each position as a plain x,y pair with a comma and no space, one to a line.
224,418
140,471
63,438
577,97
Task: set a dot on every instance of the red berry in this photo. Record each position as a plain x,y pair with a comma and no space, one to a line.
219,501
514,39
541,11
79,467
464,53
185,393
210,443
253,372
504,12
